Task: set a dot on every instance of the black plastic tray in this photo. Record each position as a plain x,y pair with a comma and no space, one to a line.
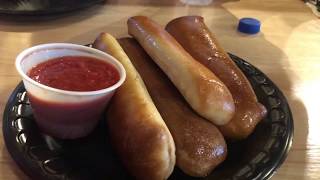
43,157
43,7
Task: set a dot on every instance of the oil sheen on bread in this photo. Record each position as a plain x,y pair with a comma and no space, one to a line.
137,130
200,147
205,93
195,37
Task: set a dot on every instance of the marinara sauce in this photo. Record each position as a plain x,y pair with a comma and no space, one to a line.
69,120
75,73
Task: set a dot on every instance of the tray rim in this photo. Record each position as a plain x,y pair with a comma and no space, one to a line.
51,11
264,174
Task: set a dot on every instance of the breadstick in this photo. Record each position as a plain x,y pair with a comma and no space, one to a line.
196,38
205,93
137,130
200,146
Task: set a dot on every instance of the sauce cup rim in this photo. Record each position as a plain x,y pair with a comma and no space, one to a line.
48,46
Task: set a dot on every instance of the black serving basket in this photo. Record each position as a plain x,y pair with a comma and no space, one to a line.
43,7
43,157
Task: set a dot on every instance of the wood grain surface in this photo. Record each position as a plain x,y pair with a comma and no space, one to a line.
287,50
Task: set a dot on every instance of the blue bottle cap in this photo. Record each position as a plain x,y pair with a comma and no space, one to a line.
249,25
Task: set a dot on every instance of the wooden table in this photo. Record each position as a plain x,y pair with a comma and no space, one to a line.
287,50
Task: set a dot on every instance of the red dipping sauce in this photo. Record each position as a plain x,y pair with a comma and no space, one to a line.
69,120
75,73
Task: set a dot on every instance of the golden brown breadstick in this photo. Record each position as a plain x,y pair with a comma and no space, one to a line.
137,130
196,38
205,93
200,147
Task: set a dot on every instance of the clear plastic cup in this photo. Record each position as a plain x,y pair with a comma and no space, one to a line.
60,113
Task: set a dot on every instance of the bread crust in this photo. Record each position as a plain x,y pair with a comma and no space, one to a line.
200,146
137,130
205,93
195,37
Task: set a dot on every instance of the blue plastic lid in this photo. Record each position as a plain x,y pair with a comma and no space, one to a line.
249,25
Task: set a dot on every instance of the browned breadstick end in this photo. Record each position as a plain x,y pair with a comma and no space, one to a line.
200,147
196,38
205,93
137,130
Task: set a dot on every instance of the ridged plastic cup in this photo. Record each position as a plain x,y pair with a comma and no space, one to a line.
61,113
